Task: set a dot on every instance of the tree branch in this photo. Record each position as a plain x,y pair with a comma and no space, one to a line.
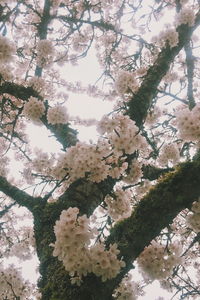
175,192
19,196
141,101
190,59
63,133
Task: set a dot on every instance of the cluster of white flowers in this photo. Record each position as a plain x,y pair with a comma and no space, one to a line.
105,263
34,109
80,41
7,49
97,161
183,2
126,82
193,220
157,262
170,77
6,72
45,53
107,125
122,133
186,16
80,160
169,154
169,35
73,232
188,123
119,205
84,122
128,289
57,115
44,88
126,137
134,172
21,250
42,162
12,285
25,246
107,40
4,166
153,116
107,157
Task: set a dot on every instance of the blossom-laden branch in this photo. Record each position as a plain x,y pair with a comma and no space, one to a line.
175,192
154,212
63,132
142,99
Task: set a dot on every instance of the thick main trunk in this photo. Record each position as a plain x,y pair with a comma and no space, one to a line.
55,283
174,193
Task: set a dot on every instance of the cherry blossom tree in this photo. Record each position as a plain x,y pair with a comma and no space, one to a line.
94,211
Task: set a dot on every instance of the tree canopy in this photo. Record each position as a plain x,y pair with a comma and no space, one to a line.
94,211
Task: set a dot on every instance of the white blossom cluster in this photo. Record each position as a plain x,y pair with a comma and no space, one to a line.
134,172
128,289
16,241
80,160
4,166
42,162
7,49
119,205
122,133
57,115
105,262
12,285
34,109
42,86
126,82
169,35
80,41
186,16
6,72
171,77
157,262
188,123
106,158
193,220
153,116
73,232
97,161
169,154
24,248
45,53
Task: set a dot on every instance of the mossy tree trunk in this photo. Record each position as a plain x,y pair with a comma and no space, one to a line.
175,192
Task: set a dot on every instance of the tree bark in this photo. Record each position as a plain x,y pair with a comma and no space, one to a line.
175,192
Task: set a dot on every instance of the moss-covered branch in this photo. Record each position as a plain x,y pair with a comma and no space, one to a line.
151,172
141,101
19,196
175,192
